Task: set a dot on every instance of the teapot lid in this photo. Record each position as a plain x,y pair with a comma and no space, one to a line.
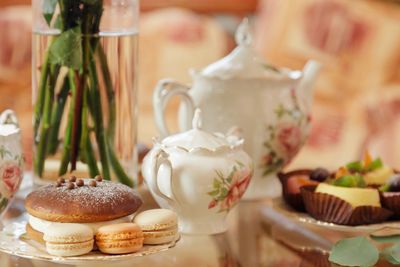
8,123
244,62
197,138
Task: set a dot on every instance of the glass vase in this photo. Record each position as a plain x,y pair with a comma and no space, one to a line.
84,89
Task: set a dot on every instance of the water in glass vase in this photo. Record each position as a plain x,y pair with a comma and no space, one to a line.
85,106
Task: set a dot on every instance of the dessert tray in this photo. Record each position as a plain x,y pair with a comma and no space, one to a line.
302,217
14,241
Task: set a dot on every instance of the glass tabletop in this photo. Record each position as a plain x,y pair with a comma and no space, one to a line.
258,235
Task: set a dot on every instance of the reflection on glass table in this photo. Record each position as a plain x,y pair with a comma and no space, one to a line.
258,236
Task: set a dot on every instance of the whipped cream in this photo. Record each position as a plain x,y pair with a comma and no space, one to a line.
41,225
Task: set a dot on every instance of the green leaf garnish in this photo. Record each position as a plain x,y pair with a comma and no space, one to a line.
384,188
386,239
48,8
392,254
66,50
355,166
355,251
350,181
376,164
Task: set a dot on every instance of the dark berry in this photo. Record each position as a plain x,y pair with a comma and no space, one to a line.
394,183
319,174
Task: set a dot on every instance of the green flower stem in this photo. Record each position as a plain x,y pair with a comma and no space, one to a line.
58,110
86,146
90,158
65,158
45,125
77,118
41,95
95,109
109,90
118,170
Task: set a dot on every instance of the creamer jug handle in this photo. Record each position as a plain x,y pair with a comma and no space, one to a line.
159,159
163,93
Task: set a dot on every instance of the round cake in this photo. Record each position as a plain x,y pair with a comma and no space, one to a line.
74,202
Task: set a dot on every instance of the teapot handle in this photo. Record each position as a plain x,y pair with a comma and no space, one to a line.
160,158
163,93
8,116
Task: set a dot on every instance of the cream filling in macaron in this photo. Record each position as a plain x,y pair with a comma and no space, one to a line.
41,225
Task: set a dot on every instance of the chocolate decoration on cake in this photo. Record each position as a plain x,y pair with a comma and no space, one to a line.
61,180
98,178
70,185
72,179
80,182
93,183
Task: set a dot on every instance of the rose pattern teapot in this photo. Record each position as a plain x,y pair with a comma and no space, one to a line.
200,175
272,106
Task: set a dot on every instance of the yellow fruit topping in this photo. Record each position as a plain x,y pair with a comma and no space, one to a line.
379,176
355,196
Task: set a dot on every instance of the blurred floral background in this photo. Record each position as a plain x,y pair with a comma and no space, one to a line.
357,96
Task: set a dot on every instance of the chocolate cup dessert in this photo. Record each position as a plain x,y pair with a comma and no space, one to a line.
391,201
331,209
295,200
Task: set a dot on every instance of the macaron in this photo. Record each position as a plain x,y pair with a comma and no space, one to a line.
119,238
159,226
69,240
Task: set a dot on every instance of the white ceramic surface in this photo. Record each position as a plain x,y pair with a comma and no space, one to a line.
271,106
11,159
201,176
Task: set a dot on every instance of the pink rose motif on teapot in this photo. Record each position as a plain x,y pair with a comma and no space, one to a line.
227,191
11,176
285,137
289,138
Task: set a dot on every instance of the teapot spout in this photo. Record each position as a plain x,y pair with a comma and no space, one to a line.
306,86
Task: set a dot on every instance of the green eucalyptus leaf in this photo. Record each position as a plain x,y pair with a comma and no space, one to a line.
48,8
386,239
392,254
66,50
355,251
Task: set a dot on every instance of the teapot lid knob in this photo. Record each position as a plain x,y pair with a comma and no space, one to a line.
243,35
196,122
